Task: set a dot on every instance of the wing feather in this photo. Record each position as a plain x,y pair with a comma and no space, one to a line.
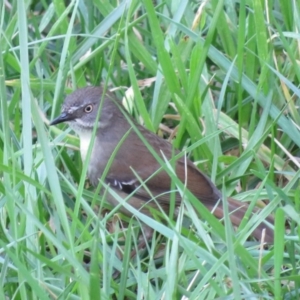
144,165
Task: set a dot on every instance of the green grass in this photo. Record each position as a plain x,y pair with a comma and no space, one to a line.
231,73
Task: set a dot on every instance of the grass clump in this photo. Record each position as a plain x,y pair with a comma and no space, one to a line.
221,77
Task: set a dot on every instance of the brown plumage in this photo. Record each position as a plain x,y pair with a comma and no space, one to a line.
80,111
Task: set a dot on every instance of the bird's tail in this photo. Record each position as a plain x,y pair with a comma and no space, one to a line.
237,211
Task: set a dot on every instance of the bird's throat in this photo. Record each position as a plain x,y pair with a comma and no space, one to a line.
85,140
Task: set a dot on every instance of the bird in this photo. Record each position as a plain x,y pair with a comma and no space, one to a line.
133,162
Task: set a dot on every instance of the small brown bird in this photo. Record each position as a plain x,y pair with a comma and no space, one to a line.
80,111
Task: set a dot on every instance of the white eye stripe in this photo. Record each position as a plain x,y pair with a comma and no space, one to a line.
72,109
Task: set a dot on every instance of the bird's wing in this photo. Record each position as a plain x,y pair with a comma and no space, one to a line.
130,177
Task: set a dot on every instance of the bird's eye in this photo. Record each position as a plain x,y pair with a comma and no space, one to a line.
88,108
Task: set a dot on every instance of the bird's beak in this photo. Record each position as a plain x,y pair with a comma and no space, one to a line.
64,116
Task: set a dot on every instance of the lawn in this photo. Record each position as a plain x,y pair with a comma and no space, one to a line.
218,79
